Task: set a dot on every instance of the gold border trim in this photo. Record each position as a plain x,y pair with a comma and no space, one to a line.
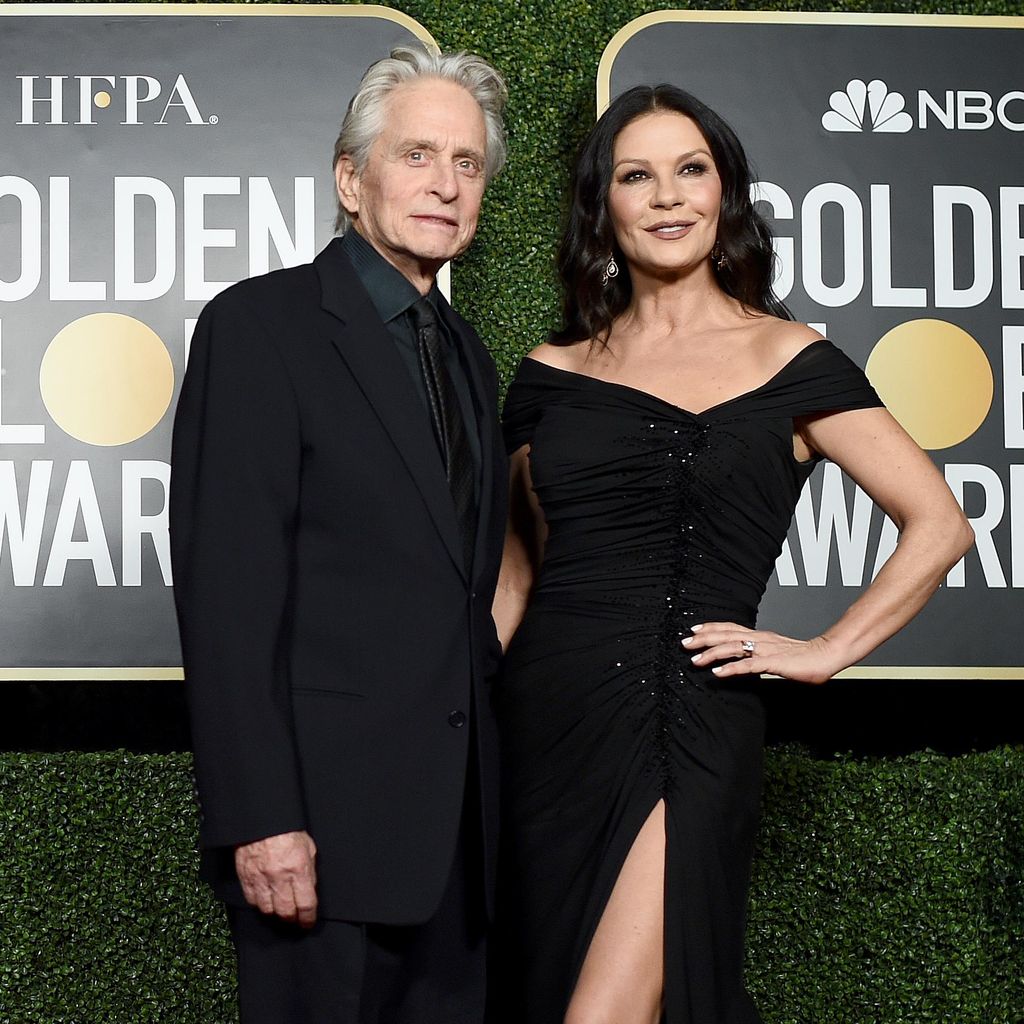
637,25
937,672
964,674
87,10
225,10
135,674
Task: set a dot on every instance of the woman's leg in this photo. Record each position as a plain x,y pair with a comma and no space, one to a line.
622,978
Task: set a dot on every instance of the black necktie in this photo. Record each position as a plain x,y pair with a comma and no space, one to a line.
449,425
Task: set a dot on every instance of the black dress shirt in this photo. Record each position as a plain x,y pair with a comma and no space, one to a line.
392,294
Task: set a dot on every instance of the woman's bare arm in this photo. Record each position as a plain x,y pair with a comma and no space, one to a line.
883,459
524,546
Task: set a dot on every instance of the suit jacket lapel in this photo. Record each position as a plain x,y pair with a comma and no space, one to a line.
369,351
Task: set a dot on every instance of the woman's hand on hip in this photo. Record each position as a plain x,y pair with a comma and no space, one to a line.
758,650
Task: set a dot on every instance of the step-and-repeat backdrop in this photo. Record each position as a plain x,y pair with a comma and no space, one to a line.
154,155
889,152
151,157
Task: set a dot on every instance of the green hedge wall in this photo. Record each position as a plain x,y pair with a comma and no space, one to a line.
886,891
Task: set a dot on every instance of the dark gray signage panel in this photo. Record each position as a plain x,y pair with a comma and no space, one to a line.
889,154
153,154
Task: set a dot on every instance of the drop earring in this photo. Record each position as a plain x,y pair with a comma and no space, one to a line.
718,257
610,271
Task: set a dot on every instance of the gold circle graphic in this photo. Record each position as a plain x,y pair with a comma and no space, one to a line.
935,379
106,379
102,99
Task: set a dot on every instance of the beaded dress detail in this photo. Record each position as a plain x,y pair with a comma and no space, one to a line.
658,518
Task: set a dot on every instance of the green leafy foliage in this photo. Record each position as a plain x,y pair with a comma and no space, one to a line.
890,890
102,915
886,891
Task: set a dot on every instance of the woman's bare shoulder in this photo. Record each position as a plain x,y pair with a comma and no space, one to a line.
561,357
781,340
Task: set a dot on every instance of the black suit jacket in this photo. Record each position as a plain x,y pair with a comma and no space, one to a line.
335,647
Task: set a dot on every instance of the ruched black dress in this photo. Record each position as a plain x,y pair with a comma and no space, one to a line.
658,518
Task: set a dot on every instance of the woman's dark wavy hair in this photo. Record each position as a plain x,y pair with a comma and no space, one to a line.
590,306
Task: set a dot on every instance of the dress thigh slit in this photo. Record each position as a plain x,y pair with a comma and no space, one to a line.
608,878
598,728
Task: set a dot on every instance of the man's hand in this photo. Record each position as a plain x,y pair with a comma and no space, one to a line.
278,876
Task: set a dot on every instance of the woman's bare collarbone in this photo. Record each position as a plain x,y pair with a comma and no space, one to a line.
695,371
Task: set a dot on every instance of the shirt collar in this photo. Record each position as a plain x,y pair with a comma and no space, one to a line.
390,291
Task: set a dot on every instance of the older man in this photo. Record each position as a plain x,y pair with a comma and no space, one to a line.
337,513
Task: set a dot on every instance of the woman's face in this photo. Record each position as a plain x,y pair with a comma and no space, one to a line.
665,193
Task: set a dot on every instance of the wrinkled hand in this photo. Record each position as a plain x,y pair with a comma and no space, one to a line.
805,661
278,876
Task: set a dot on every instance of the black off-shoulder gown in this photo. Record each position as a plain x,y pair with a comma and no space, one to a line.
658,518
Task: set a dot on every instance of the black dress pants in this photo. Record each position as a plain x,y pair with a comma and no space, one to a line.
342,972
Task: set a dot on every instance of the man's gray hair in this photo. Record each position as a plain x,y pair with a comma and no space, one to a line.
364,119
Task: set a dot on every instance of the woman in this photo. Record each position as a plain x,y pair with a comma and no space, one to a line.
659,442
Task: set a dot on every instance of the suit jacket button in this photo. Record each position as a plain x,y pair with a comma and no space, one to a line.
456,719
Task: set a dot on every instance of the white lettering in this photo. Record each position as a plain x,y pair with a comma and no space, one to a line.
974,111
945,113
882,291
31,261
16,433
199,238
273,236
784,269
998,501
833,521
850,246
126,193
958,476
1013,387
181,96
55,99
135,523
23,535
267,223
79,496
785,570
1004,118
887,541
1011,245
85,96
945,198
133,100
969,110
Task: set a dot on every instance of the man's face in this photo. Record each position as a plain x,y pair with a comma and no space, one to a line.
418,198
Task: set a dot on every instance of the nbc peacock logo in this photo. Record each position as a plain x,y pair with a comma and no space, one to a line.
866,107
